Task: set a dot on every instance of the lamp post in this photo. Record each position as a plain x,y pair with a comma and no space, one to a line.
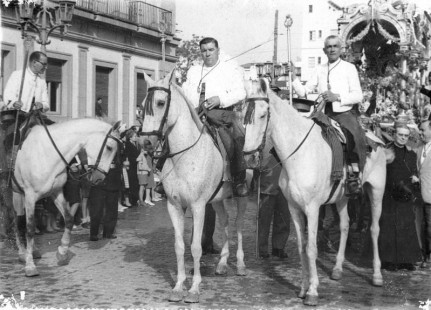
44,23
162,29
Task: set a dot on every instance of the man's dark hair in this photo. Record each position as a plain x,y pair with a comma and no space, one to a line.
36,55
208,40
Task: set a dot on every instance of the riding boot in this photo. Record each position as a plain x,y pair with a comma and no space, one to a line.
353,181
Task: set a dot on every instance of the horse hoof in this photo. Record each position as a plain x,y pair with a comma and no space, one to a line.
31,271
36,254
176,296
221,270
377,281
336,274
63,260
241,271
192,298
311,300
301,294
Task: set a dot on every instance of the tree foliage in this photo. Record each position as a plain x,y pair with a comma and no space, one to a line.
189,54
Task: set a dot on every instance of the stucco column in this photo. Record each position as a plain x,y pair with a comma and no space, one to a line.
82,80
126,90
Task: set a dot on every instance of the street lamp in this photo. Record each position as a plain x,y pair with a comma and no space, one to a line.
162,29
44,23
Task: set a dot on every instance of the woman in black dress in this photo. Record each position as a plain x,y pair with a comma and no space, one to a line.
131,152
398,241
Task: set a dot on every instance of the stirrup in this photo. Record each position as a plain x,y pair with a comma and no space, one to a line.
353,185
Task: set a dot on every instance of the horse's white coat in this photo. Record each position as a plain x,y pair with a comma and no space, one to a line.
305,181
40,172
189,180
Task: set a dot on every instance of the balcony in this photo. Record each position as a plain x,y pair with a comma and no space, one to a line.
137,12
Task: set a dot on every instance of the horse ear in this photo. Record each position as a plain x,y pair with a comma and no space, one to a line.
264,85
149,80
118,126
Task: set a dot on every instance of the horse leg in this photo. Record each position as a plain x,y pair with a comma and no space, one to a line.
376,196
344,232
240,265
312,296
223,219
177,217
63,254
20,225
29,205
299,222
198,211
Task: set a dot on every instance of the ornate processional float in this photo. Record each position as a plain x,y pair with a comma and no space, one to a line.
390,43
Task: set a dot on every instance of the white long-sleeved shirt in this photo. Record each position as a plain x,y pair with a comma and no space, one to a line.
344,80
34,86
225,80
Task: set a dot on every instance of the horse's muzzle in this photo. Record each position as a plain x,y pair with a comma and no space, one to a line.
252,161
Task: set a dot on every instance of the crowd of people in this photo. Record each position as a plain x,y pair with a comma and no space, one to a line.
405,237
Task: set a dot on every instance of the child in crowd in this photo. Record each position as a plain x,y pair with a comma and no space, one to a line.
146,175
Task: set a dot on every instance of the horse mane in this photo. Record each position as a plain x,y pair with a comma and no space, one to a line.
261,88
148,104
192,110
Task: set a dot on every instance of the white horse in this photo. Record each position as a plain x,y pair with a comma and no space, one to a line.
40,171
190,178
305,179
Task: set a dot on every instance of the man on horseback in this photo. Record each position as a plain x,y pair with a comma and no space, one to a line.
216,87
24,92
338,84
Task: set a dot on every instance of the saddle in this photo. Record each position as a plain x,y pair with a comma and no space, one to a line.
336,138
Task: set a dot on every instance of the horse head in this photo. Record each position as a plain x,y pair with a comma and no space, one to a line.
256,120
156,108
101,149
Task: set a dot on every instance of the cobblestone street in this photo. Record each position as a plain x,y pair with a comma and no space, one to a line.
138,270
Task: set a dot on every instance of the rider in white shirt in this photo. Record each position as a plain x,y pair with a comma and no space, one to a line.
338,83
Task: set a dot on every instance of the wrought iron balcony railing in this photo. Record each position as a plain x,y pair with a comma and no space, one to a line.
137,12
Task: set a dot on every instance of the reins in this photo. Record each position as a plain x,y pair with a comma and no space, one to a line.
249,116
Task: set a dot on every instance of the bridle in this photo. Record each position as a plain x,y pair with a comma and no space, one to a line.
159,133
92,168
96,167
262,143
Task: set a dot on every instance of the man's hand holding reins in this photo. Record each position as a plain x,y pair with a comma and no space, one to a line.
17,105
212,102
329,96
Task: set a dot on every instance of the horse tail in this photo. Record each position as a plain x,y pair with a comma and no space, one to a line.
389,154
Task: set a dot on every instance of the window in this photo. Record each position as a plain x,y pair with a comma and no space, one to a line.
320,34
312,35
319,60
311,62
141,85
54,81
106,87
102,90
7,65
310,8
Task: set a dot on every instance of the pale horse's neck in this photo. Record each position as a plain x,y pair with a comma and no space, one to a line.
68,140
184,132
288,128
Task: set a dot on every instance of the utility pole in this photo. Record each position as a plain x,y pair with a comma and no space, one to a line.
274,58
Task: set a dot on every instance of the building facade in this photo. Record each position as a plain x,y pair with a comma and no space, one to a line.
105,53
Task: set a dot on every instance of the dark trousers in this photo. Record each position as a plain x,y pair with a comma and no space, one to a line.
209,227
274,209
356,142
233,137
103,204
426,244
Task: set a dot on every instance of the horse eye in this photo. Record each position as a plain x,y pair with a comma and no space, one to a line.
109,148
263,115
160,103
